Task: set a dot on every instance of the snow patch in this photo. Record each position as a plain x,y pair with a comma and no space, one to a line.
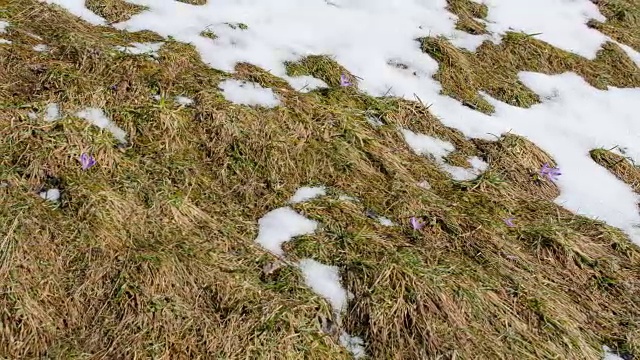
427,145
52,112
52,195
307,193
354,344
98,118
41,48
280,226
5,41
136,48
424,184
183,100
3,26
609,354
78,8
562,24
286,30
248,93
347,198
385,221
631,53
324,280
373,121
575,120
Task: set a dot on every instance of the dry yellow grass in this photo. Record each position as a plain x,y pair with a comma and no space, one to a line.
151,253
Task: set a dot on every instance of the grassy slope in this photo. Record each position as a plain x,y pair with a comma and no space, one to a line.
151,253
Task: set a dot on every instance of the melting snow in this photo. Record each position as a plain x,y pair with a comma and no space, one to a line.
631,53
248,93
324,280
562,24
424,184
3,29
580,118
41,48
307,193
97,117
385,221
281,225
183,100
439,149
346,198
78,8
375,122
52,195
137,48
354,344
52,112
609,354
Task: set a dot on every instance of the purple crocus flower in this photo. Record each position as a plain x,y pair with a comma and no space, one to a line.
551,173
87,161
344,81
416,223
509,221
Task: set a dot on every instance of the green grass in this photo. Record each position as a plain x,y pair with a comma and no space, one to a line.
151,253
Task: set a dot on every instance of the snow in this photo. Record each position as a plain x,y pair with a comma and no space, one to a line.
281,225
248,93
375,122
324,280
353,344
52,112
574,119
137,48
307,193
183,100
97,117
3,26
41,48
52,195
347,198
424,184
385,221
631,53
78,8
609,354
5,41
427,145
562,24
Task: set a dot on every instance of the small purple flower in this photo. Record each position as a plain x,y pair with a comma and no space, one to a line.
551,173
509,221
416,223
87,161
344,81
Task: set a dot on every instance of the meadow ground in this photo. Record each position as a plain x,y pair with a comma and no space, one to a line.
151,252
